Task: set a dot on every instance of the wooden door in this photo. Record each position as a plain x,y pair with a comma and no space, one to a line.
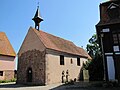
29,75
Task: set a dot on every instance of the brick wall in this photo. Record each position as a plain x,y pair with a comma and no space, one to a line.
34,59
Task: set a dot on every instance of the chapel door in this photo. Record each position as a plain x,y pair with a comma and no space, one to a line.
29,75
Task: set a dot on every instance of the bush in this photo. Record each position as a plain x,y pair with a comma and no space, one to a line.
13,80
7,81
71,82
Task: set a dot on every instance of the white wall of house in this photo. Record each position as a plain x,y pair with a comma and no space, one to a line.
54,69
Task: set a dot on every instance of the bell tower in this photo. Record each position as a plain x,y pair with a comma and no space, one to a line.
37,19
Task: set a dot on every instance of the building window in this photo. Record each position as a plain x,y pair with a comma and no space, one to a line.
116,48
78,61
116,38
61,60
119,37
71,61
1,73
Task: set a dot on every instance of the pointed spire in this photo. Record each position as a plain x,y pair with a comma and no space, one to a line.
37,18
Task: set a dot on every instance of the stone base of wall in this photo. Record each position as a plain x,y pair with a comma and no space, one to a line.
35,60
9,74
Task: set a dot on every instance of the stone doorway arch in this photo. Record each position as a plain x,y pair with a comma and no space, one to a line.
29,74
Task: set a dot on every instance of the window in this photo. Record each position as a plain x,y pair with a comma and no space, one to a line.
61,60
119,37
106,30
78,61
115,48
71,61
116,38
1,73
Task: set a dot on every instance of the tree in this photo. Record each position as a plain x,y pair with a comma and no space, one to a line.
96,71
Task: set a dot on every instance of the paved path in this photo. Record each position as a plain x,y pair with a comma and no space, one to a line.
13,86
76,86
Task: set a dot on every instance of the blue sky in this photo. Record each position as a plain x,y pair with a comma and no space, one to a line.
73,20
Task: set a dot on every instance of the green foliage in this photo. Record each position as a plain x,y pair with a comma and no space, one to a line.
13,80
7,81
86,65
71,82
96,65
93,48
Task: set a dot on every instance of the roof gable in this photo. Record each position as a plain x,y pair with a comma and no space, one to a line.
113,6
5,46
31,42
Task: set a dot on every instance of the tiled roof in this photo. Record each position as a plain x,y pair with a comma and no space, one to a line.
84,53
5,46
56,43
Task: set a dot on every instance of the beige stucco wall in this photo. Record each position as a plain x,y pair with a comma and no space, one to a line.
54,69
31,42
7,63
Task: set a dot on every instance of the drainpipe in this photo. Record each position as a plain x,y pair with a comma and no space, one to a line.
103,56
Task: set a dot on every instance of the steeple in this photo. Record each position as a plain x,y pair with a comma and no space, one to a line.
37,19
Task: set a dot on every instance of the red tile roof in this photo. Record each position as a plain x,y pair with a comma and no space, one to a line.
56,43
84,53
5,46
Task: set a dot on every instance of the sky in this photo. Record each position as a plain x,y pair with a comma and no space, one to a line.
73,20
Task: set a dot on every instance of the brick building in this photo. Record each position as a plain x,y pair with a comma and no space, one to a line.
7,58
45,59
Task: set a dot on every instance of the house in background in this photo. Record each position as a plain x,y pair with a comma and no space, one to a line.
7,58
108,32
45,59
